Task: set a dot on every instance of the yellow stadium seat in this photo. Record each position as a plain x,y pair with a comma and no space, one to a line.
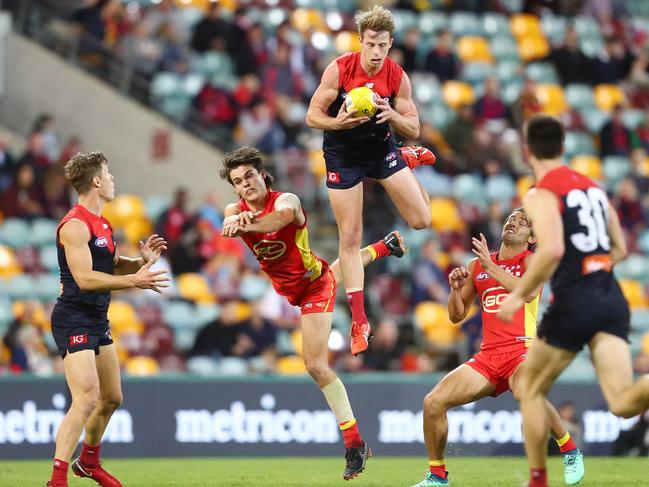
524,184
124,208
122,315
552,99
290,365
142,366
633,293
608,96
194,287
442,259
348,41
525,25
296,341
530,48
445,215
645,344
589,166
474,49
137,229
457,93
18,309
9,266
433,319
304,19
243,311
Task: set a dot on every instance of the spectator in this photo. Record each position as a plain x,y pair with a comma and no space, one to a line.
24,198
410,48
218,338
34,155
459,134
211,31
71,147
628,206
613,64
526,105
430,283
8,164
56,193
24,339
571,64
614,137
45,127
441,61
642,133
166,12
259,332
385,352
490,105
173,220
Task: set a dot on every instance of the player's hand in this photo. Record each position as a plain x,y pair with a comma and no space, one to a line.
458,277
248,217
232,230
510,305
386,112
346,120
145,278
481,250
152,248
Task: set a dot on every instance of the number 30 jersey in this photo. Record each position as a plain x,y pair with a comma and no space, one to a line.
584,208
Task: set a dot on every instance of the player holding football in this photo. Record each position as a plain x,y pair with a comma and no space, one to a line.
90,269
273,225
579,240
501,361
359,147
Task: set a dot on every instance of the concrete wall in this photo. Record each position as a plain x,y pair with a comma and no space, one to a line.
38,81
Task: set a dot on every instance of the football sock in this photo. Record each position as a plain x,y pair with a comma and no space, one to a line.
538,477
89,455
336,396
351,436
378,250
438,467
565,443
356,300
60,473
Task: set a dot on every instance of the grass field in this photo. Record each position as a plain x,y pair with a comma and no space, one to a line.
321,472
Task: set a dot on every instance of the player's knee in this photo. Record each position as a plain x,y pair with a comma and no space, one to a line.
316,369
350,238
86,401
112,402
620,408
434,404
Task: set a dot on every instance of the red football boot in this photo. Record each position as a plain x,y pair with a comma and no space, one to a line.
361,334
416,156
96,473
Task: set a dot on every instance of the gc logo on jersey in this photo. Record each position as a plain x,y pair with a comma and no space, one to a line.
101,242
492,298
269,249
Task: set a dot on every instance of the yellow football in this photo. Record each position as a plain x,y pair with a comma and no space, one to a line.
360,102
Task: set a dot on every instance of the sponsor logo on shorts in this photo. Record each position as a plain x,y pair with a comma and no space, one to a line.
78,339
308,305
101,242
492,298
333,177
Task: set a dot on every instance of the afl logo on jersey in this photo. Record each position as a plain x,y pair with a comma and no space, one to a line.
270,249
492,299
101,242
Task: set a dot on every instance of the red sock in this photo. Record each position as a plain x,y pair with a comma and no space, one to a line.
568,446
356,300
59,473
381,249
90,455
351,436
538,477
439,470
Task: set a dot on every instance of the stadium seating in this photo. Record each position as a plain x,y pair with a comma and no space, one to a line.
194,287
590,166
608,97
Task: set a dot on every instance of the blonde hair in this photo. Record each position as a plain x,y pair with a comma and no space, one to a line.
378,19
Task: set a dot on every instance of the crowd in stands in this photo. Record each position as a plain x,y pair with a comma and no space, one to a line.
245,72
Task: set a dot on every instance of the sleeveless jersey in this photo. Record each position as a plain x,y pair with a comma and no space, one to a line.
584,210
369,140
285,255
102,249
498,335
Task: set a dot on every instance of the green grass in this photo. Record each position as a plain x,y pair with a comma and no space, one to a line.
321,472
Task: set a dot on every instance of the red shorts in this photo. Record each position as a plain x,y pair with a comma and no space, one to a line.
497,368
320,296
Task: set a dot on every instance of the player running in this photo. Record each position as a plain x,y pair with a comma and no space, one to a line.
274,226
500,363
359,147
579,240
90,269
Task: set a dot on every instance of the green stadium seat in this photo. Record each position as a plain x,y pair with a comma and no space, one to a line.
206,313
179,315
49,258
191,84
591,47
513,6
587,27
500,188
184,339
643,241
43,232
580,370
48,287
213,63
508,70
165,84
252,287
504,49
438,114
404,20
15,233
578,143
284,344
638,8
6,313
640,320
580,97
155,205
204,366
635,267
465,24
494,24
511,91
22,287
616,168
554,28
632,118
425,88
594,119
468,188
431,22
477,73
233,366
543,73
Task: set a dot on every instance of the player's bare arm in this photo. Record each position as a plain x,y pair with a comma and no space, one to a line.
287,209
404,118
149,250
619,250
463,292
74,236
542,207
504,278
324,96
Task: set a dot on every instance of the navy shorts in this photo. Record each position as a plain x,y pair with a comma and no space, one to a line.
74,331
343,173
574,318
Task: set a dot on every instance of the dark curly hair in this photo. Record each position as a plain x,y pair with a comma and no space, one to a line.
241,157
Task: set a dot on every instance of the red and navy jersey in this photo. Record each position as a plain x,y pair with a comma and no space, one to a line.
499,335
369,140
584,210
285,255
102,248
